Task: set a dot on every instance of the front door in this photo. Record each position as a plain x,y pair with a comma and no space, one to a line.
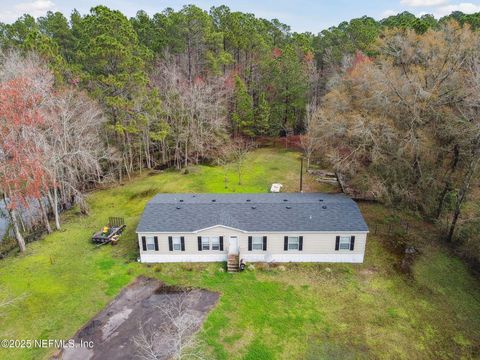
233,245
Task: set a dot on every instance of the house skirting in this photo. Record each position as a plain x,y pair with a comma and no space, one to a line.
285,258
171,258
252,257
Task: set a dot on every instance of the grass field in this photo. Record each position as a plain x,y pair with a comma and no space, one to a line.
308,311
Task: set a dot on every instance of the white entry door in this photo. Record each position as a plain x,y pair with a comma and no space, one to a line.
233,245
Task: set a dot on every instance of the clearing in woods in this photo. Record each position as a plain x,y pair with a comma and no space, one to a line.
306,311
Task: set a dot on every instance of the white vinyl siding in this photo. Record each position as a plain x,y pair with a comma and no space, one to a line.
317,247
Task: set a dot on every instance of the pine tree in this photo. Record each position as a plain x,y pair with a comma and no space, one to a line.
262,116
242,116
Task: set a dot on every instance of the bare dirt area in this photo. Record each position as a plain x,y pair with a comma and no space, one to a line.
144,317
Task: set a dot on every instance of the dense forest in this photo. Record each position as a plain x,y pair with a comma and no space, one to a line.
391,104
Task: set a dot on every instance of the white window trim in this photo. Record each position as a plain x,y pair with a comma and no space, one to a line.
177,240
150,241
298,243
214,240
206,241
346,240
259,243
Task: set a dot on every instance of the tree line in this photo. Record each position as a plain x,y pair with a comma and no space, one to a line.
260,74
404,124
102,96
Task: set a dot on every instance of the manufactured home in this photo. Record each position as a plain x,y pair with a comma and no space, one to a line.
271,227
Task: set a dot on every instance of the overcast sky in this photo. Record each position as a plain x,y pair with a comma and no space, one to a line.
301,15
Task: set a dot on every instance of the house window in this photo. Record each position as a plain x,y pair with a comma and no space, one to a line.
150,243
177,243
205,243
257,243
344,243
293,242
215,243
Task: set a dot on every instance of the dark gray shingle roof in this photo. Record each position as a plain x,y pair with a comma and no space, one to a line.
252,212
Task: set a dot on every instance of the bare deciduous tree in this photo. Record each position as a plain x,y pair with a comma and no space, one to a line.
50,145
195,112
175,338
239,149
75,146
313,126
405,125
24,89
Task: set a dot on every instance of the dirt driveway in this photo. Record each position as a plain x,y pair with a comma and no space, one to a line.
139,305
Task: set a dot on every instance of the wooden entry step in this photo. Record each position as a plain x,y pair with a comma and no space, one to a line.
233,263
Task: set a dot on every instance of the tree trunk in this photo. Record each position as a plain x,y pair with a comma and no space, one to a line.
224,49
239,173
140,160
148,155
13,218
55,201
441,202
125,164
189,52
18,234
186,154
22,223
54,204
44,216
448,181
472,169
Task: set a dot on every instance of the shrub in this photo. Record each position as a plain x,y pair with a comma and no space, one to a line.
147,193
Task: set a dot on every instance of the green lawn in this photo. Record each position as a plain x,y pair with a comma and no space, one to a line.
313,311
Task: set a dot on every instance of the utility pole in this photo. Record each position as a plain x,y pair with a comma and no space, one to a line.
301,174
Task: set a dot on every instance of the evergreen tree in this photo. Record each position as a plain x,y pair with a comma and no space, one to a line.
262,116
48,49
286,79
115,72
242,116
14,35
56,27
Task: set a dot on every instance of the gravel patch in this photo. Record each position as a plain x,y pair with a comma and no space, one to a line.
113,330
